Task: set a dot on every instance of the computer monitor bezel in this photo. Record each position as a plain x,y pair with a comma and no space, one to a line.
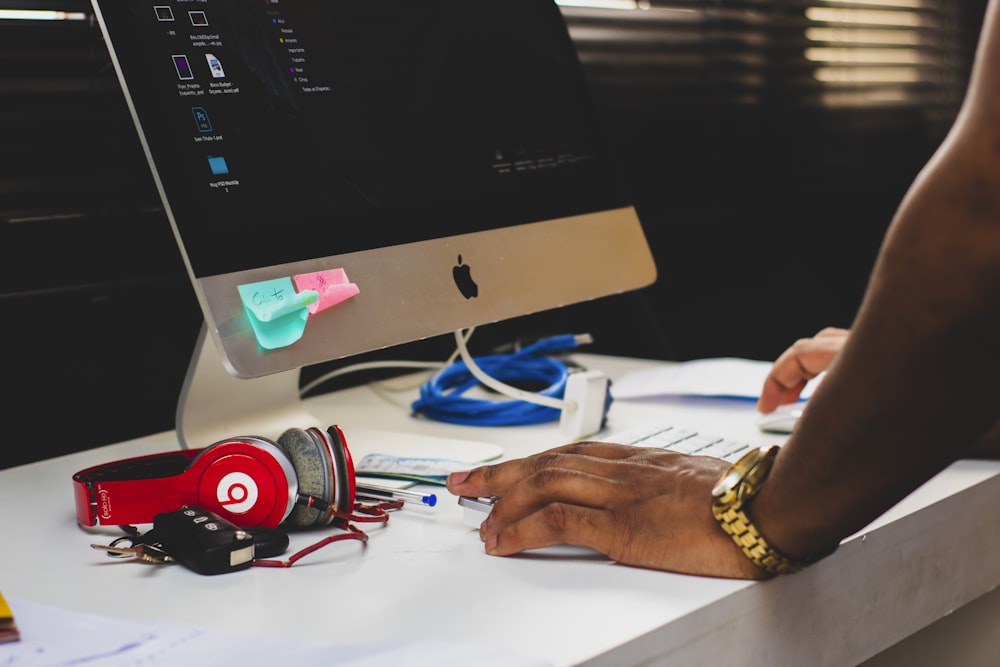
409,290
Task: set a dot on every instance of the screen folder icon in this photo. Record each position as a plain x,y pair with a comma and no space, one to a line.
218,165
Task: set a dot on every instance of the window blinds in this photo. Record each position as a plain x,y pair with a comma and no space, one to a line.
60,104
795,53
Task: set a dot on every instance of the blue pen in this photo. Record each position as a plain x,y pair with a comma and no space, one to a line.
386,493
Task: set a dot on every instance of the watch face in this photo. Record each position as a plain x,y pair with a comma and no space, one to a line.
728,482
743,469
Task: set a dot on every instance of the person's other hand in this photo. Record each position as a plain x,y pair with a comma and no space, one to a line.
646,507
804,360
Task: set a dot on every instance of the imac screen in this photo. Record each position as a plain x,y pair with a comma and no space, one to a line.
343,177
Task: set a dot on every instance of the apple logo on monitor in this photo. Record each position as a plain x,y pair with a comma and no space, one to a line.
463,278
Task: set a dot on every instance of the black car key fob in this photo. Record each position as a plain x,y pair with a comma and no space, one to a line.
203,541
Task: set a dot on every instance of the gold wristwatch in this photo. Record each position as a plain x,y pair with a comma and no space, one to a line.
730,497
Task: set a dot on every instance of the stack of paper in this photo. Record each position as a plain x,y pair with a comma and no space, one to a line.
8,629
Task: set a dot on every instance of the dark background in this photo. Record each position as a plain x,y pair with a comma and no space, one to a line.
764,191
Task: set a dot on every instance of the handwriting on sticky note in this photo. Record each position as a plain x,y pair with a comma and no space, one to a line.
332,286
277,312
271,299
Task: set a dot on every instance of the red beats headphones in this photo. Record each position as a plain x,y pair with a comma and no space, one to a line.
306,477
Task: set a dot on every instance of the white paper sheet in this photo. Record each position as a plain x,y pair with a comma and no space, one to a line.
723,377
53,637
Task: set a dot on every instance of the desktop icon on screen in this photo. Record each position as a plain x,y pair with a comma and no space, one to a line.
198,18
163,13
218,165
201,119
183,68
215,66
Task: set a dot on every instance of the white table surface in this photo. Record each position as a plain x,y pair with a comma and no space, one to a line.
425,576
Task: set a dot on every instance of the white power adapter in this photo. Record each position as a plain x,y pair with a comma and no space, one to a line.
588,391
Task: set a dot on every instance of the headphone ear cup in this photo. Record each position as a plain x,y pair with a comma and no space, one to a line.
313,467
248,480
343,466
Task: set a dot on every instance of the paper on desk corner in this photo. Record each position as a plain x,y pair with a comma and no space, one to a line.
8,628
51,636
722,377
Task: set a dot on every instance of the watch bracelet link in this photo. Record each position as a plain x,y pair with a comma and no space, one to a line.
735,522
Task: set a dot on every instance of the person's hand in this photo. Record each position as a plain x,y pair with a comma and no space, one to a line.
646,507
804,360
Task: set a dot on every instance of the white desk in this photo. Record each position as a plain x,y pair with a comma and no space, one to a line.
425,574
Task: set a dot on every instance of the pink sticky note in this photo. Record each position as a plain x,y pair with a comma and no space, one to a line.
332,286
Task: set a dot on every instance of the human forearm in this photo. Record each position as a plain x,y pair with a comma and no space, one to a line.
916,383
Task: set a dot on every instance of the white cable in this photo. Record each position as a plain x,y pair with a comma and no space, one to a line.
426,365
368,365
506,389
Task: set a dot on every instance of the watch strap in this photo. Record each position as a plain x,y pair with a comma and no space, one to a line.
737,525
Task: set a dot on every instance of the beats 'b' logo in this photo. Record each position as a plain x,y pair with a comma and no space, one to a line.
237,492
463,278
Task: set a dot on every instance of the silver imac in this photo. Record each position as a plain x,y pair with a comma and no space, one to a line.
343,177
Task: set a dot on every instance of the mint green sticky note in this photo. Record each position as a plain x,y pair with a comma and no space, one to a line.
277,313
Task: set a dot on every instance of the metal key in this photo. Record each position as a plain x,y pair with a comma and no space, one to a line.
147,553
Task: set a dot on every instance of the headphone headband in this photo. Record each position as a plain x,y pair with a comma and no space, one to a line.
246,480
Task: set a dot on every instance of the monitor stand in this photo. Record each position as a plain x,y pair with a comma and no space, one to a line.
215,405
